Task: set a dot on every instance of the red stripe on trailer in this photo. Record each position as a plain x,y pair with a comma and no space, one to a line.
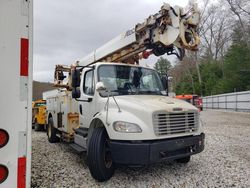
21,176
24,59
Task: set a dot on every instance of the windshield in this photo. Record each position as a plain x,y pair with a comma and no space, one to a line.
40,104
127,80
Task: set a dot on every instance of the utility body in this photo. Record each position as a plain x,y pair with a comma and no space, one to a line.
64,111
125,115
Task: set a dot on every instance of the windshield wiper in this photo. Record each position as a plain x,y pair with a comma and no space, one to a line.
149,92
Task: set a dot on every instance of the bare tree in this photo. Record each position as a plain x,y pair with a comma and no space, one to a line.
241,9
215,31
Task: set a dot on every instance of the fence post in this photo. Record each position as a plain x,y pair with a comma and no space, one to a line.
226,102
212,102
218,102
236,101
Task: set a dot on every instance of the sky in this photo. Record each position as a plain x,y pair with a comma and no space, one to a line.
65,31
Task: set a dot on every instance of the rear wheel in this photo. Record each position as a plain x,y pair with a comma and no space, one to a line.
183,160
51,132
100,161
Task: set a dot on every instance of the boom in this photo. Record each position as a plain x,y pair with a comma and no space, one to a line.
170,31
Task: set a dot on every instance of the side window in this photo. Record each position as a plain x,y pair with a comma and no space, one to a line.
88,87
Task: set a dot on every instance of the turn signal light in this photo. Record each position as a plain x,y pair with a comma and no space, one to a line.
4,138
4,172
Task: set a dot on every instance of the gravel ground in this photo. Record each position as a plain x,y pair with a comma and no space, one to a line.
225,162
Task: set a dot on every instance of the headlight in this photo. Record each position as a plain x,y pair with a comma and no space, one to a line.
126,127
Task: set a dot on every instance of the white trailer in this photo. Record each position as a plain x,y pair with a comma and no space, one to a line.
16,92
125,115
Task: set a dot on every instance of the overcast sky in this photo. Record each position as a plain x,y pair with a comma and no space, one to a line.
67,30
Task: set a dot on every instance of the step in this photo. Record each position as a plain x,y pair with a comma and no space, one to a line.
77,148
82,131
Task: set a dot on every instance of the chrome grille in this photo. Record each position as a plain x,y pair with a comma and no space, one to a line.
175,123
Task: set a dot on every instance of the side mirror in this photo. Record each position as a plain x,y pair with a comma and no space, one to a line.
100,87
76,93
75,77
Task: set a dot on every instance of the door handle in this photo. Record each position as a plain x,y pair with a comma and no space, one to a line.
80,108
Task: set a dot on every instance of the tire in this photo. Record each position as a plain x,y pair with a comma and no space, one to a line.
183,160
37,127
51,132
99,157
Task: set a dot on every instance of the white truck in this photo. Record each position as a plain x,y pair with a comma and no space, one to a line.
125,115
16,92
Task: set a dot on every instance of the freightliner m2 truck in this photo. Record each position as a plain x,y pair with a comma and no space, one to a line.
117,111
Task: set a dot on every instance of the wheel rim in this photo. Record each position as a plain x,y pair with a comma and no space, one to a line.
107,155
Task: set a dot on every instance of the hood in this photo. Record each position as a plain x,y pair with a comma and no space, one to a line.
153,103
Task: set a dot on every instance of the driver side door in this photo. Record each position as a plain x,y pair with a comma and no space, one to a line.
87,104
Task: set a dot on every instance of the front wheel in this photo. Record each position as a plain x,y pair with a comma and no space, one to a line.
99,156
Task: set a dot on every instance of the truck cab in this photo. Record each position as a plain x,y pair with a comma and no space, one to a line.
126,116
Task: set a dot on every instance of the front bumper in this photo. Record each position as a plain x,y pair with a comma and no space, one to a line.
147,152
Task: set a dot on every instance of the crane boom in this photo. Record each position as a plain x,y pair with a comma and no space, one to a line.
171,31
